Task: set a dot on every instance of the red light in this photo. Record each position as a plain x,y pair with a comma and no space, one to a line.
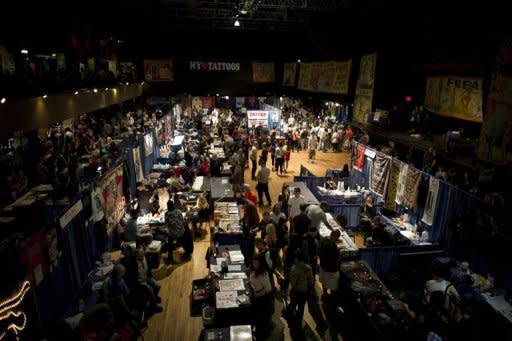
408,98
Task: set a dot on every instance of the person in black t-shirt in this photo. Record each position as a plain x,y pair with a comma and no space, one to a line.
301,222
215,166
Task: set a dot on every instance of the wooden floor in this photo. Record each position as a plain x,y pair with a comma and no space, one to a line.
175,322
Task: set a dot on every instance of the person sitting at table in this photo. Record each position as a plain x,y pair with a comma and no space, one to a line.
262,300
345,173
380,236
438,283
369,210
201,212
160,197
316,213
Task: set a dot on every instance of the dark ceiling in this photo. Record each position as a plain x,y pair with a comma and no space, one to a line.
288,29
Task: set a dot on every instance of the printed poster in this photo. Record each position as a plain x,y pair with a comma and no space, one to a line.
364,88
431,204
109,196
263,72
389,202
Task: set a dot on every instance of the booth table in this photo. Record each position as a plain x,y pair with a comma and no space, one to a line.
348,248
221,189
402,232
309,198
232,333
337,197
202,184
366,299
229,215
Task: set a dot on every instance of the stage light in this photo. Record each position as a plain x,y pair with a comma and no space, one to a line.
95,90
76,92
24,51
3,100
45,96
237,23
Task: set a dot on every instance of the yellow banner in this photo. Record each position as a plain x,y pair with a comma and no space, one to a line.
289,74
364,88
454,96
328,77
263,72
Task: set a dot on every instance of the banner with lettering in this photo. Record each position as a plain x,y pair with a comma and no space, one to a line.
455,96
494,144
364,88
263,72
199,65
289,74
257,118
158,70
326,77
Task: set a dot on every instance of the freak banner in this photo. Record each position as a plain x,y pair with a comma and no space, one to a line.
327,77
263,72
364,87
494,144
379,175
454,96
158,70
289,74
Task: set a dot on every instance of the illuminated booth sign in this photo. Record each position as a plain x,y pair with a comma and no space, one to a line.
213,66
13,319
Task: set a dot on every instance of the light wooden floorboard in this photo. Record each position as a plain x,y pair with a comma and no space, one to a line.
175,322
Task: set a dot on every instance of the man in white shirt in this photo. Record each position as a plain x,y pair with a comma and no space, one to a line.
263,176
294,203
316,213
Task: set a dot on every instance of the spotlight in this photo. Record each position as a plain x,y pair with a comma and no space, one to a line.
54,55
76,92
280,98
226,97
45,96
95,90
106,89
298,60
126,83
3,100
237,23
24,51
217,95
326,103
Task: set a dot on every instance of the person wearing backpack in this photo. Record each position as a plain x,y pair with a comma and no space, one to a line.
267,257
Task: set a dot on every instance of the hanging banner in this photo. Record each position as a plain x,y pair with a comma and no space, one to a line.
364,88
379,174
431,203
454,96
158,70
494,143
257,118
109,196
389,202
326,77
359,161
409,192
289,74
263,72
139,175
402,179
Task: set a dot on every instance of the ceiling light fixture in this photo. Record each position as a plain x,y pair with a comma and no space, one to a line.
106,89
3,100
24,51
54,55
237,23
45,96
95,90
76,92
298,60
126,83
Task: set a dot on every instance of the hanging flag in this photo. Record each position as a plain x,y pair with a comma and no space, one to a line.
359,161
389,203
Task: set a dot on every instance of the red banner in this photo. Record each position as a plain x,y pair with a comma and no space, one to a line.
359,162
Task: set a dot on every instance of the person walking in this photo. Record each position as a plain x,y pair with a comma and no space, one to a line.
263,176
254,160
